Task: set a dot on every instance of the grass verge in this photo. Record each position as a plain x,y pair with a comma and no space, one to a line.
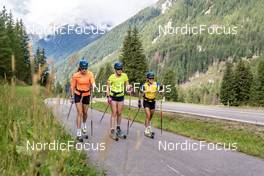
24,117
249,138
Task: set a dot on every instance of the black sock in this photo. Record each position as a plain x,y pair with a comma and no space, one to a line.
118,128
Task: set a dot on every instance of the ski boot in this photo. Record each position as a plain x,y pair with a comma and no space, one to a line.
120,134
148,132
84,133
152,133
113,135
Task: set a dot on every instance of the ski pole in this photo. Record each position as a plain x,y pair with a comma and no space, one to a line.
129,110
104,113
135,117
161,115
139,106
69,111
91,99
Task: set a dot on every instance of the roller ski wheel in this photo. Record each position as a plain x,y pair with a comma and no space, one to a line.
85,136
114,136
79,139
150,135
120,134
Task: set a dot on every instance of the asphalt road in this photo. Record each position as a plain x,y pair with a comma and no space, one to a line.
142,156
246,115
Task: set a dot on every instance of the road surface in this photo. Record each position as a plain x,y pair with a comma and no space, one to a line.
252,116
142,156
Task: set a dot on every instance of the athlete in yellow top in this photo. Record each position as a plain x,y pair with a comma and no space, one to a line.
81,85
116,85
149,89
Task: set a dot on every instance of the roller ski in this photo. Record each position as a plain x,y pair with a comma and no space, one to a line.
84,133
120,134
79,139
113,135
149,133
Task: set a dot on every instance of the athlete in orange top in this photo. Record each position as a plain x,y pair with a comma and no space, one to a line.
81,87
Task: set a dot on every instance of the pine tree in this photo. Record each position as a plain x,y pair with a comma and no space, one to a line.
37,60
257,91
126,50
133,57
13,41
26,56
227,86
242,83
58,88
41,67
44,68
18,52
5,49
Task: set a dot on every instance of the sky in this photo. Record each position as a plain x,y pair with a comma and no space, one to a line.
45,13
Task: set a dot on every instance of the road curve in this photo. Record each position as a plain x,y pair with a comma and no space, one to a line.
142,156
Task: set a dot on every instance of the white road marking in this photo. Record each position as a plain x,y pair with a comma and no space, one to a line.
174,170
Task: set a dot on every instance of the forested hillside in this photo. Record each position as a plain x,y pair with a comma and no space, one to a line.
229,83
186,53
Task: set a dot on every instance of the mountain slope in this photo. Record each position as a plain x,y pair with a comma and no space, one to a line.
186,53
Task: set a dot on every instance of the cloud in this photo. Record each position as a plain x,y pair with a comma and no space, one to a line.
17,6
46,12
21,6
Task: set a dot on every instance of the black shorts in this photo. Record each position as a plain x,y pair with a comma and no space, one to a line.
119,99
85,100
150,105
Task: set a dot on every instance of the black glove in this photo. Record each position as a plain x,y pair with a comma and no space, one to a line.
161,88
139,103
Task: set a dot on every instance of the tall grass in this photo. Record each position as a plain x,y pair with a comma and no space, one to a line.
23,117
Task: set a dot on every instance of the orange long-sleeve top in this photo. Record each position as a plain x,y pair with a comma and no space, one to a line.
82,82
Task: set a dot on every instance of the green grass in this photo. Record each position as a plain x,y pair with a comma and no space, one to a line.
23,116
249,138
